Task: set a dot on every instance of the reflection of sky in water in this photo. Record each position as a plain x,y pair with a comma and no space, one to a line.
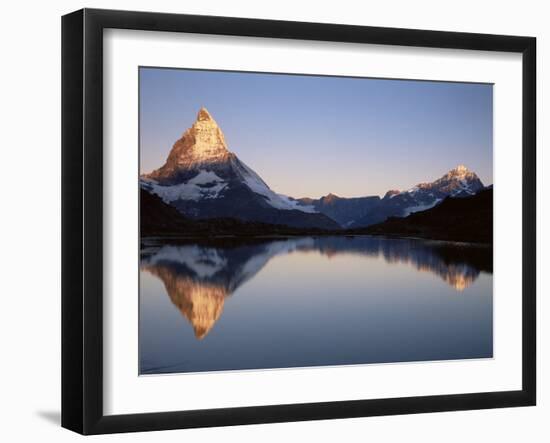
308,302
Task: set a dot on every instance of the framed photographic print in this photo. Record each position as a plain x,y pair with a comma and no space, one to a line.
270,221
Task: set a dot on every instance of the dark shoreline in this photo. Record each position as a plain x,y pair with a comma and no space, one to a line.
240,239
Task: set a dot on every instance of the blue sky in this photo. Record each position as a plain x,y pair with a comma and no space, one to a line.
312,135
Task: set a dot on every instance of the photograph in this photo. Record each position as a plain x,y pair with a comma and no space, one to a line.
291,220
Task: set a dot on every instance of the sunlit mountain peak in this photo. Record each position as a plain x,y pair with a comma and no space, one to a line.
204,115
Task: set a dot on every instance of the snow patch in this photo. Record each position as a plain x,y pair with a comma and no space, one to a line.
411,209
204,177
296,204
194,189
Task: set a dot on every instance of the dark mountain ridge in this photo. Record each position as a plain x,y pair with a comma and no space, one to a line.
468,219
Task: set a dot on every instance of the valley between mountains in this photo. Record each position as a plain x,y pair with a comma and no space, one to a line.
204,190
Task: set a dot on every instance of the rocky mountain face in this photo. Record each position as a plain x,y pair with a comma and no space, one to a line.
202,146
456,183
203,179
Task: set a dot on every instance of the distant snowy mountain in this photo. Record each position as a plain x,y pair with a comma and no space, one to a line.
458,182
365,211
203,179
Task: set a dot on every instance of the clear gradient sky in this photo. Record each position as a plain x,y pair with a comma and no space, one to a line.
308,136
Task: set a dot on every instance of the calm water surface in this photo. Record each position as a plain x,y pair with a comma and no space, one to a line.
312,302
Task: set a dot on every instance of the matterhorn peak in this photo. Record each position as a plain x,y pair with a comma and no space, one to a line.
203,143
204,115
205,121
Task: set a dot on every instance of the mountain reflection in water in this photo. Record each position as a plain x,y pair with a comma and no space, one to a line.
199,277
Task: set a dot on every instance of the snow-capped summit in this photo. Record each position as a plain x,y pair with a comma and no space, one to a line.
463,178
458,181
460,170
203,179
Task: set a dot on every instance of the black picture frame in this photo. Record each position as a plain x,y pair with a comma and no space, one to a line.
82,218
